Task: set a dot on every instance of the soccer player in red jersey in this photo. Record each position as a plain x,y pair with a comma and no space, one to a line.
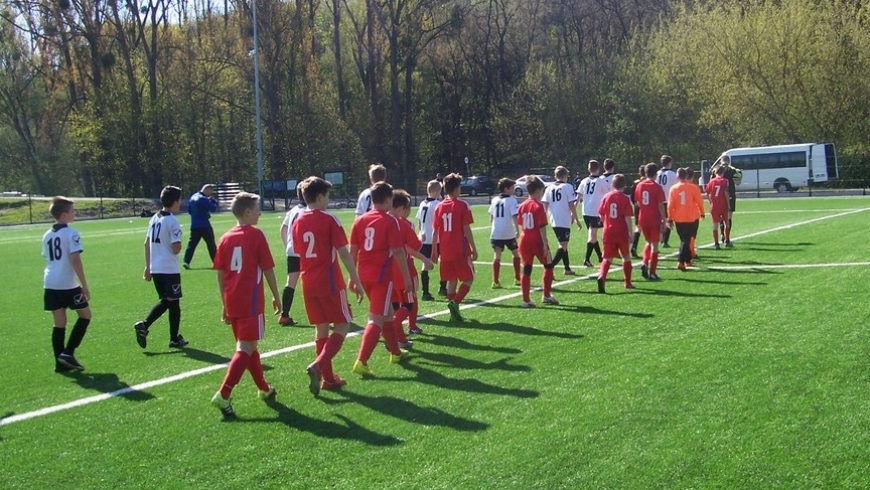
405,302
375,244
650,199
532,218
616,213
453,244
243,259
320,240
717,194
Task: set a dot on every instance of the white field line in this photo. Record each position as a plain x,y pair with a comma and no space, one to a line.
216,367
784,266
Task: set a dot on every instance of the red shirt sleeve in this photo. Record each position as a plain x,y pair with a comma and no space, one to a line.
540,217
626,208
355,231
220,256
467,218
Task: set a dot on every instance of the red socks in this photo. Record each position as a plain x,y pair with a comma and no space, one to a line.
605,266
238,366
389,334
412,318
626,270
496,267
464,288
327,349
526,286
548,281
369,341
516,268
653,262
647,251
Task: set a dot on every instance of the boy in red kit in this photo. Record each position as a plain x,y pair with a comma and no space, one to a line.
375,244
320,240
532,218
453,243
650,199
616,213
405,302
242,260
717,194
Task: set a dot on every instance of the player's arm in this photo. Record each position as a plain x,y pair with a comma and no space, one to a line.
517,228
700,202
354,282
76,261
401,259
269,274
147,274
427,263
546,244
220,280
435,245
469,236
285,233
572,206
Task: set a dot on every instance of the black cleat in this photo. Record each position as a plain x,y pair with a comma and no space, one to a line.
654,277
586,263
62,368
644,271
69,361
178,343
634,254
601,285
427,297
141,334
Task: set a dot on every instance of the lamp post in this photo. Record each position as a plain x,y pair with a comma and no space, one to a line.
467,169
257,104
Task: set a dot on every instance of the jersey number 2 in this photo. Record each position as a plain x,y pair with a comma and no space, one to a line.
308,237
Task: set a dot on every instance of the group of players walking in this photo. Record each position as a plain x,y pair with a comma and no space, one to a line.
378,257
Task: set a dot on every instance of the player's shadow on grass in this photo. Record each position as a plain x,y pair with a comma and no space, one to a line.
682,294
764,248
193,353
470,385
440,359
349,430
411,412
457,343
504,327
598,311
108,383
746,270
730,283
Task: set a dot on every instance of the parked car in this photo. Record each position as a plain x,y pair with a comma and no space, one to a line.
477,184
520,188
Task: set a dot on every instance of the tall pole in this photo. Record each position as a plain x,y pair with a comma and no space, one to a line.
257,105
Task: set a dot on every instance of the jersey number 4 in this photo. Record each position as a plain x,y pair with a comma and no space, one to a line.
54,250
236,260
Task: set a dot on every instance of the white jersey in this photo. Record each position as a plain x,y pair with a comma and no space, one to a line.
666,178
364,203
163,230
425,216
58,244
289,219
608,180
591,191
559,197
504,210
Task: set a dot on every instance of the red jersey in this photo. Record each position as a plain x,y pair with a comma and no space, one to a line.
648,195
317,235
531,218
451,216
615,207
242,256
375,234
412,241
717,191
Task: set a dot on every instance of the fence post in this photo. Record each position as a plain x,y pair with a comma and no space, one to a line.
30,205
101,205
757,183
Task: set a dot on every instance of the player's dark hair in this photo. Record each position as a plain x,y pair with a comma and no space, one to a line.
169,195
299,194
641,171
381,192
401,198
666,160
609,165
452,182
594,165
618,182
377,173
561,172
312,187
505,183
690,174
682,173
651,170
720,171
60,205
534,184
242,202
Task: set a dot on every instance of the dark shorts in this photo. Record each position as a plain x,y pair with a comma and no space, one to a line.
592,222
562,234
504,244
426,250
293,265
732,203
59,299
167,285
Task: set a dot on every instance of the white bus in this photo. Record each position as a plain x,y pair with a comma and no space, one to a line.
784,168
